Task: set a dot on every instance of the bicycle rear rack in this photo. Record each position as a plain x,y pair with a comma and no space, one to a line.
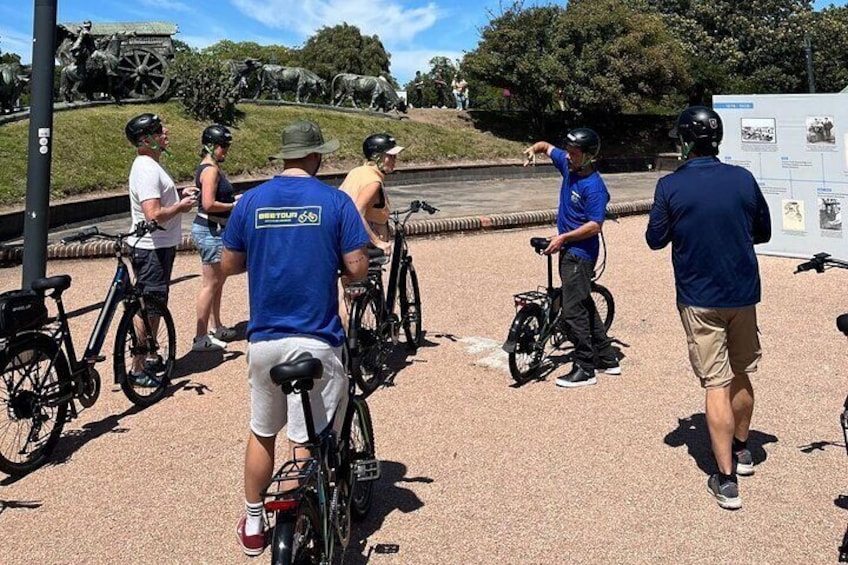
530,297
297,471
367,470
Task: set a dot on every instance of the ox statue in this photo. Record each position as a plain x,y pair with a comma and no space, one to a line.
375,90
240,71
12,82
303,82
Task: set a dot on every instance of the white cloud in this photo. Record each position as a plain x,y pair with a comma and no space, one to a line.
389,20
405,63
166,5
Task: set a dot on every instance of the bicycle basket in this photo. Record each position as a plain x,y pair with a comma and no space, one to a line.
21,310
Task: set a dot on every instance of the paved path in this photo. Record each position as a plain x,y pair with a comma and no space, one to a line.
475,470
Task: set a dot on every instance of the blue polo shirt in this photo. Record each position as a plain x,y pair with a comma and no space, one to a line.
712,214
294,231
581,200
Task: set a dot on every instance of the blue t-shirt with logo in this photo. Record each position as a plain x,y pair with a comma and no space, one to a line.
581,200
294,231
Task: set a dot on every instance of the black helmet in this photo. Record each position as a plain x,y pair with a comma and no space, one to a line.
216,134
700,128
380,144
585,139
145,124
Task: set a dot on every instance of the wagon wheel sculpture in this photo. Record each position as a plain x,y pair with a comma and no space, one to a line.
143,73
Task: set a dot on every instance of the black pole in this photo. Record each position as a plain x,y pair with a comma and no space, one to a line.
808,50
40,140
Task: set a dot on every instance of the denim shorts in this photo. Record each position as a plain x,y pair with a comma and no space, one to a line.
208,242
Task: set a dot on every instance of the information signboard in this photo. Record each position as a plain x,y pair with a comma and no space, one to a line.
796,146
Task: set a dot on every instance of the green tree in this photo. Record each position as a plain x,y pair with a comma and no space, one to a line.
343,49
520,50
273,54
205,87
829,37
619,59
181,47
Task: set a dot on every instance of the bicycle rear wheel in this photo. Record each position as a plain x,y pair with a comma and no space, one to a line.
410,307
525,332
297,537
32,413
145,350
370,344
361,445
604,304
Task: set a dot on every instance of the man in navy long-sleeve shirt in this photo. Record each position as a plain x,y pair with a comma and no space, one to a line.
713,214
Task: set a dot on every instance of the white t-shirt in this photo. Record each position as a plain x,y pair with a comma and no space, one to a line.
149,180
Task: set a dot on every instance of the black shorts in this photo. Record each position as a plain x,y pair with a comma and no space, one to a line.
153,270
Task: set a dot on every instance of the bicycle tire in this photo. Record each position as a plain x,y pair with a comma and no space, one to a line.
604,304
22,394
410,307
361,445
296,538
369,348
525,331
158,370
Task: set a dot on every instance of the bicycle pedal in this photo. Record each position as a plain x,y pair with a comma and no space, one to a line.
367,470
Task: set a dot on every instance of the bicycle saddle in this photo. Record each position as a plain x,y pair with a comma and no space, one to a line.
842,323
376,257
539,243
302,372
58,284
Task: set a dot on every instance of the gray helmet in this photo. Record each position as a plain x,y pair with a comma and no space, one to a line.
216,134
585,139
142,125
699,128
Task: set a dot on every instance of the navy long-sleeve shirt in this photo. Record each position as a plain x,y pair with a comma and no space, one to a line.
712,214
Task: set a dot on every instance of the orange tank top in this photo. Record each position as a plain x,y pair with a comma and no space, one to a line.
359,178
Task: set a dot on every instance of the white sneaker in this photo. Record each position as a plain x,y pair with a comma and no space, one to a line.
208,343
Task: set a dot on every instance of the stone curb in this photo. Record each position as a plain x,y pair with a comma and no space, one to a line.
10,256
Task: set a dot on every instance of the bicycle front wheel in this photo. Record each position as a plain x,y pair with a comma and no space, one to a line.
370,345
297,537
361,445
604,304
526,332
145,349
410,307
34,379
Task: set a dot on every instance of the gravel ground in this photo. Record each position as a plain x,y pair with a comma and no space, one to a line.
475,470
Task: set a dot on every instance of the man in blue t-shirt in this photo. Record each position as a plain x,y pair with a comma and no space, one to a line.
713,214
291,234
583,201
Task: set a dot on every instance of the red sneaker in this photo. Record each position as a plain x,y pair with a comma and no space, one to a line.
252,546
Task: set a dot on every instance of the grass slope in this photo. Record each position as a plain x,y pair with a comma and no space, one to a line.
90,153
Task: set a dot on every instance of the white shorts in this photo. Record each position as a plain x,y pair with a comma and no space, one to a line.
270,409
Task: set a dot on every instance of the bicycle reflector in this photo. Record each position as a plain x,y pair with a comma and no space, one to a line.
281,505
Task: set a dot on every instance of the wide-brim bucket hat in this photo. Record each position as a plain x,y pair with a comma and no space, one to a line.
302,138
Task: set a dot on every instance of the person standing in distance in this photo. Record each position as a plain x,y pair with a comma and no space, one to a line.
583,202
291,234
713,214
216,200
153,197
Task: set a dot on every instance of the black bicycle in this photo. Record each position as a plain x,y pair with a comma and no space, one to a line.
40,374
374,326
538,321
312,521
820,263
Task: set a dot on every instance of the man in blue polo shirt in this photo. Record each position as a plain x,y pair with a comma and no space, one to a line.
582,209
713,214
291,234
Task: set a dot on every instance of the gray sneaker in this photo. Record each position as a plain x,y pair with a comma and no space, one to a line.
726,493
744,462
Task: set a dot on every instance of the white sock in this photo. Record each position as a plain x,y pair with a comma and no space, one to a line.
255,523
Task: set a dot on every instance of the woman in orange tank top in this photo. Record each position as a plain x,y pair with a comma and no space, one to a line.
364,185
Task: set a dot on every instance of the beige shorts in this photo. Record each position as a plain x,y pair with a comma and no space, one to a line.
723,342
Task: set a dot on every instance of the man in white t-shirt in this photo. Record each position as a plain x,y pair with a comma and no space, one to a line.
153,197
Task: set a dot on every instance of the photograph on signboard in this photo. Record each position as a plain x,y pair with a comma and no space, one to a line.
830,214
758,130
793,215
820,129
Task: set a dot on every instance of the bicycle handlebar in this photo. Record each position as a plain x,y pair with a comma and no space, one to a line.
140,230
820,262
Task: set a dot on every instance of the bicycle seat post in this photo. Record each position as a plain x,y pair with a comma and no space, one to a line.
550,272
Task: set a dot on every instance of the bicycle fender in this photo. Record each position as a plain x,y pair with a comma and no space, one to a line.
515,327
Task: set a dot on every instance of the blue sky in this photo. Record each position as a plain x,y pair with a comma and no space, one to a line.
413,31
